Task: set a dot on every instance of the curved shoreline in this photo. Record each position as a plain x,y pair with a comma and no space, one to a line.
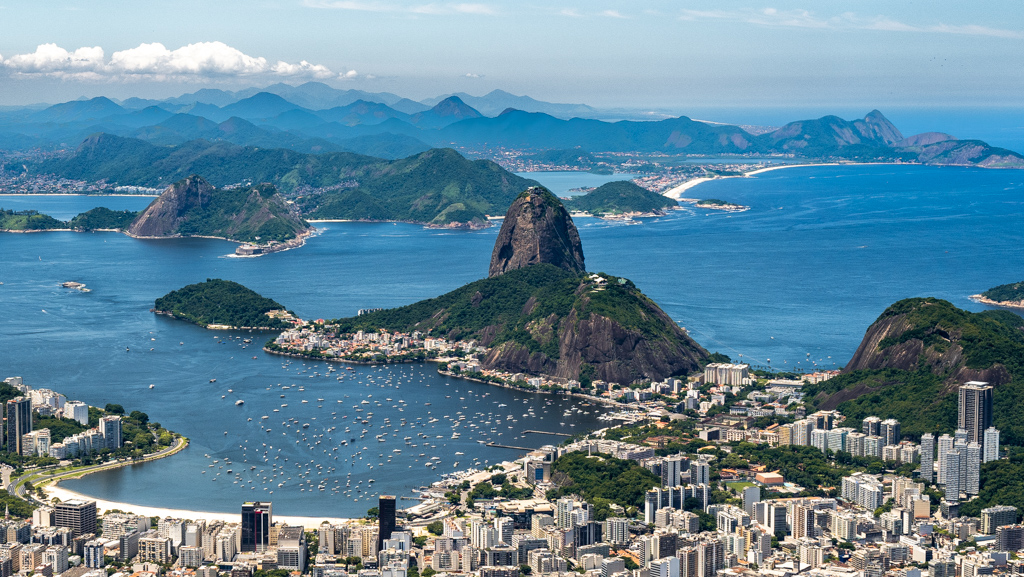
1005,304
676,192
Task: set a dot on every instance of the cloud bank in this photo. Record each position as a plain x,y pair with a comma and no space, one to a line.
155,61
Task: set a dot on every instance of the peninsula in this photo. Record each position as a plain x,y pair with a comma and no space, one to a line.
538,313
223,304
1007,295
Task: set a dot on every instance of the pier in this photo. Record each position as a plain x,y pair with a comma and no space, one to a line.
549,433
493,444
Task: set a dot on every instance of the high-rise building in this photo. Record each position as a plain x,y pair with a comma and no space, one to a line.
78,411
890,431
927,456
972,465
994,517
665,567
110,428
952,464
945,446
975,410
751,495
76,514
616,530
672,470
385,518
291,549
257,517
991,445
700,473
19,422
872,426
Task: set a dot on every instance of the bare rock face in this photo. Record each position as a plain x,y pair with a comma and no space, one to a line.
537,229
163,215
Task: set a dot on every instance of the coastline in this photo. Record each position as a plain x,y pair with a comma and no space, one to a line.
1005,304
675,193
75,194
53,489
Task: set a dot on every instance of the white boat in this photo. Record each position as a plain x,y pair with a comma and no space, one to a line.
239,402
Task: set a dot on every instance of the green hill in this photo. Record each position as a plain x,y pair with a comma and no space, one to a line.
619,197
23,220
916,354
438,186
220,302
103,218
532,319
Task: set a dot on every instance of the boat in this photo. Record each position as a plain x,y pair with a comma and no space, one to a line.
213,380
151,386
239,402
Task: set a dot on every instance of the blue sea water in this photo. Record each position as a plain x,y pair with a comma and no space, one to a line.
793,282
560,182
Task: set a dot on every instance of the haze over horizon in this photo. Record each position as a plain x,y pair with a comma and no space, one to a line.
780,55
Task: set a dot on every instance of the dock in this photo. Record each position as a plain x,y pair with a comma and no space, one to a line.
549,433
493,444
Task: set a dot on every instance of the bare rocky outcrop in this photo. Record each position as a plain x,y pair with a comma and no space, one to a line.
537,229
938,348
165,214
194,207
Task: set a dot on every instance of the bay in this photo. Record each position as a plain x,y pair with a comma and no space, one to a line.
796,279
560,182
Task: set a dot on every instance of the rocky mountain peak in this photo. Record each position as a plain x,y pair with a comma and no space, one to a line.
168,210
537,229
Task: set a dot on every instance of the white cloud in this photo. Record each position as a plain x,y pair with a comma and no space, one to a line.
471,75
846,20
54,60
156,61
612,14
432,8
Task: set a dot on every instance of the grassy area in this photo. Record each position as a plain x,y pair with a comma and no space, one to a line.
738,486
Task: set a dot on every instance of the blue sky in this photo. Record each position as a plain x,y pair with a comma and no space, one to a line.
678,55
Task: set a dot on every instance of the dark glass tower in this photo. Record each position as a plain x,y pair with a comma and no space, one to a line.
256,522
386,519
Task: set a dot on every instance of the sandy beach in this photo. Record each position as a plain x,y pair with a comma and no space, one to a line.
676,192
54,490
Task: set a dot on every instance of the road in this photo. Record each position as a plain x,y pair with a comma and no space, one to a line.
17,487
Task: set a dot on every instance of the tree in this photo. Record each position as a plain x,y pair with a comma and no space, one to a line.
114,409
436,527
373,512
525,569
139,416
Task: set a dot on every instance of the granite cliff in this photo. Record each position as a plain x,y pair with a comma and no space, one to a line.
537,229
193,207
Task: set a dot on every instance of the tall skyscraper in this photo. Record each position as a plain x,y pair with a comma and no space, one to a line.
751,495
972,466
257,517
975,414
952,476
945,446
672,470
110,427
19,422
385,519
991,445
927,456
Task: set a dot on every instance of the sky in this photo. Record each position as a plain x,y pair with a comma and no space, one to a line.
675,55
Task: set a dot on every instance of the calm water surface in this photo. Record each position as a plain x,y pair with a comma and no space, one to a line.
794,282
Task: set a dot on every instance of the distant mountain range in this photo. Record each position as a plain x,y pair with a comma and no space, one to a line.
315,118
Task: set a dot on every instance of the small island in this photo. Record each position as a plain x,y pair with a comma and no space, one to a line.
224,305
1007,295
715,204
618,199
